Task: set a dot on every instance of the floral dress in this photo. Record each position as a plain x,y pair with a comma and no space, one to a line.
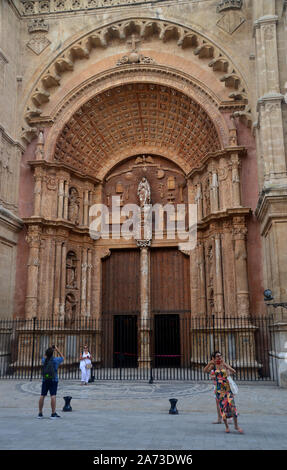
223,394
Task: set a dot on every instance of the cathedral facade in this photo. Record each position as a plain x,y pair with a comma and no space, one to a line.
171,102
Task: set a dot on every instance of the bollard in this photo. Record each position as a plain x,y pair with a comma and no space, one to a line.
67,406
173,410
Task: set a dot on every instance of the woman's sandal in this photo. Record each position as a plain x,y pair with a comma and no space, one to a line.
227,430
240,430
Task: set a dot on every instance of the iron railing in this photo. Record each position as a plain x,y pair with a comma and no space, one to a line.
169,346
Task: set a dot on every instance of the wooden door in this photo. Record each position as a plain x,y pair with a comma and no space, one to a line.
120,299
170,297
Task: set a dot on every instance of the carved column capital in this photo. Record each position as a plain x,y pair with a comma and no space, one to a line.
143,243
239,233
33,237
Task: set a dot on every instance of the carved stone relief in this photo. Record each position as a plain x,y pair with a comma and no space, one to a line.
39,41
230,22
73,206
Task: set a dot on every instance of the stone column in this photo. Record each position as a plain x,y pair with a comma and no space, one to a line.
61,198
145,326
241,275
202,280
270,123
63,282
218,294
57,278
89,282
34,240
86,207
66,199
84,282
271,208
37,193
235,165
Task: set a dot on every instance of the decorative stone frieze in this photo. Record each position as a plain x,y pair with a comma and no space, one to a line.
35,7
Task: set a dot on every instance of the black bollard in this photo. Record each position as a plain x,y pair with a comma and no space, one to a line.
67,406
173,410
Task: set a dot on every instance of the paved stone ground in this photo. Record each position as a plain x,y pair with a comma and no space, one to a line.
134,416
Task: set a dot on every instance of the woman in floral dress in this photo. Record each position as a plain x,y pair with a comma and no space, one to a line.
224,396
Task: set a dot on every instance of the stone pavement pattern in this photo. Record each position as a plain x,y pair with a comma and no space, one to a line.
128,416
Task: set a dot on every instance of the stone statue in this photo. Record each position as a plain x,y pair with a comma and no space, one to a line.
71,275
70,310
73,208
144,192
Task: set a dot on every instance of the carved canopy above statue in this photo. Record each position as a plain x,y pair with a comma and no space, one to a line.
126,117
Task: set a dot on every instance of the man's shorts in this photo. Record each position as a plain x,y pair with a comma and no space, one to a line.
49,386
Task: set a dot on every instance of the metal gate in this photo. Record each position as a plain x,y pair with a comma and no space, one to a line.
169,346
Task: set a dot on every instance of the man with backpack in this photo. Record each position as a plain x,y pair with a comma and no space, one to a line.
50,380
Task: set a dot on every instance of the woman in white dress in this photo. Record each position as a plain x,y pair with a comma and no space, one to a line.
85,365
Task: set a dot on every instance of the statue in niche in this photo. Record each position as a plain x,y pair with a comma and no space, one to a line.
73,206
70,310
71,270
206,194
144,193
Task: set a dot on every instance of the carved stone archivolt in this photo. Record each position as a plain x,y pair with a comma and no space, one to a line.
184,37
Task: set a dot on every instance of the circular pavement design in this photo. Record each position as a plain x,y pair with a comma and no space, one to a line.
121,391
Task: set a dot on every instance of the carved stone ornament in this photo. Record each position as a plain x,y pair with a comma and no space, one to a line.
51,182
229,5
230,22
143,243
38,25
135,58
38,43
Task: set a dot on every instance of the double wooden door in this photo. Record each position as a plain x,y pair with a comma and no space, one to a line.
169,305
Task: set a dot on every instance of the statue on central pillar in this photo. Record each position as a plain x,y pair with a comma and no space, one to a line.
144,192
144,195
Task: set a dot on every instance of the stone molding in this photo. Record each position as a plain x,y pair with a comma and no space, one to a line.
9,219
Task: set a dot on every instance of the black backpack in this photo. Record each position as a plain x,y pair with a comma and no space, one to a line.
49,372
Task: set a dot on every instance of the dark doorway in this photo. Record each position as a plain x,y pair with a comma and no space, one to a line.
166,341
125,341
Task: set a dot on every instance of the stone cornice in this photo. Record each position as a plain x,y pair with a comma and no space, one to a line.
221,216
216,155
266,211
10,139
55,165
269,98
7,217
